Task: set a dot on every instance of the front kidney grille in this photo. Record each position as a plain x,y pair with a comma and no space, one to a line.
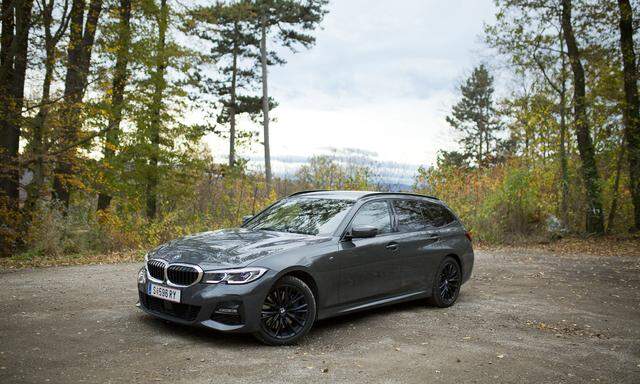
156,269
182,274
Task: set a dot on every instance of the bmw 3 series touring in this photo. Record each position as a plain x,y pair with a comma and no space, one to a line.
310,256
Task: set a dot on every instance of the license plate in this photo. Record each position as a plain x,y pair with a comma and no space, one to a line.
163,292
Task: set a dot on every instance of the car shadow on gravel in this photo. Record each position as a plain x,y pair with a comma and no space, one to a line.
357,317
322,328
192,334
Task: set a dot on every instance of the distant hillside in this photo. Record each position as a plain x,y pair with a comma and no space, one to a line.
389,175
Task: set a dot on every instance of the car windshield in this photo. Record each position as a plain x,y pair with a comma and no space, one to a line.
309,216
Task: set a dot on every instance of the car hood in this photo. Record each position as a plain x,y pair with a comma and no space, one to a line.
229,248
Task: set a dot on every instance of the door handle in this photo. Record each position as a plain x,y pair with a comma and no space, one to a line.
393,246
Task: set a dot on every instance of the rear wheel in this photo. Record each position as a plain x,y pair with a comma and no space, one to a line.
446,285
288,312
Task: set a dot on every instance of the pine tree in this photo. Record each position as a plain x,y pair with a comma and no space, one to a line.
287,23
475,117
233,49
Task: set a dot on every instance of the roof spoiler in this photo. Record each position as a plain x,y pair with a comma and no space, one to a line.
399,193
308,191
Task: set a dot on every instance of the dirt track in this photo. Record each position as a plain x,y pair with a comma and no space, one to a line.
524,317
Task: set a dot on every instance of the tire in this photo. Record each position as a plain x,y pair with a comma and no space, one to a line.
446,283
288,312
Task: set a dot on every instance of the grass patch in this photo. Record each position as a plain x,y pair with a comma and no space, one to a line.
35,260
610,245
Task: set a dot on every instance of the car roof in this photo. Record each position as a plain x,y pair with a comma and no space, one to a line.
355,195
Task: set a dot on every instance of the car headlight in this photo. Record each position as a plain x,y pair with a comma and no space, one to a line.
146,257
234,276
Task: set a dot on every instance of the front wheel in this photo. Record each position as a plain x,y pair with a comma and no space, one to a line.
446,285
288,312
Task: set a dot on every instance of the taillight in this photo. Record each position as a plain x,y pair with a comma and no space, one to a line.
468,235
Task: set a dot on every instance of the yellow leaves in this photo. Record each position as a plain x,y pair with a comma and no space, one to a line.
495,202
76,183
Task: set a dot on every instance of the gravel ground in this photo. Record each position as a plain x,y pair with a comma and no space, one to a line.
526,316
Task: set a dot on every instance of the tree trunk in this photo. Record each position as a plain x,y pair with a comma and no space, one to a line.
112,136
479,154
265,103
6,36
8,186
13,53
12,88
616,186
38,144
156,110
232,106
564,163
13,56
594,214
631,111
78,63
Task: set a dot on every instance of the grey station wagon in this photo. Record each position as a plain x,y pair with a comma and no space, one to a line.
309,256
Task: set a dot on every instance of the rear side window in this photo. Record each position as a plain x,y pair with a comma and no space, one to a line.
437,215
375,214
415,215
410,215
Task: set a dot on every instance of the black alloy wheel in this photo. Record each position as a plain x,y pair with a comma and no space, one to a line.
446,287
288,312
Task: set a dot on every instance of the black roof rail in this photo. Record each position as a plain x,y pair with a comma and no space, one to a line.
399,193
308,191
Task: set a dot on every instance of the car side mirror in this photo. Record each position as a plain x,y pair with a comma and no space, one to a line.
363,232
246,219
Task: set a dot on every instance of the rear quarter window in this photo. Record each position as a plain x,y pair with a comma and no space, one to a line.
437,215
417,215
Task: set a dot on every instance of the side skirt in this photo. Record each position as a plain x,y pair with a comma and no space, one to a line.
345,310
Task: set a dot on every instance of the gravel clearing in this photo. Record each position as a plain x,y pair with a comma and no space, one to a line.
525,316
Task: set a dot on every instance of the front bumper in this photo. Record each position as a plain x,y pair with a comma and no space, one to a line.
200,305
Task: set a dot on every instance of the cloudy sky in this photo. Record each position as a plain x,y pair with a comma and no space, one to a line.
381,78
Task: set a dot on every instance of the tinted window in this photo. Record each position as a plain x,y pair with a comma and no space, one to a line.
410,215
309,216
415,215
437,215
375,214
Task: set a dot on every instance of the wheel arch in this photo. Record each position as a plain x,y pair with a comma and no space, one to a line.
457,259
305,276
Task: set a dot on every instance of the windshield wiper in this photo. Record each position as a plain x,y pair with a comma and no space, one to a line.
287,230
298,232
270,229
